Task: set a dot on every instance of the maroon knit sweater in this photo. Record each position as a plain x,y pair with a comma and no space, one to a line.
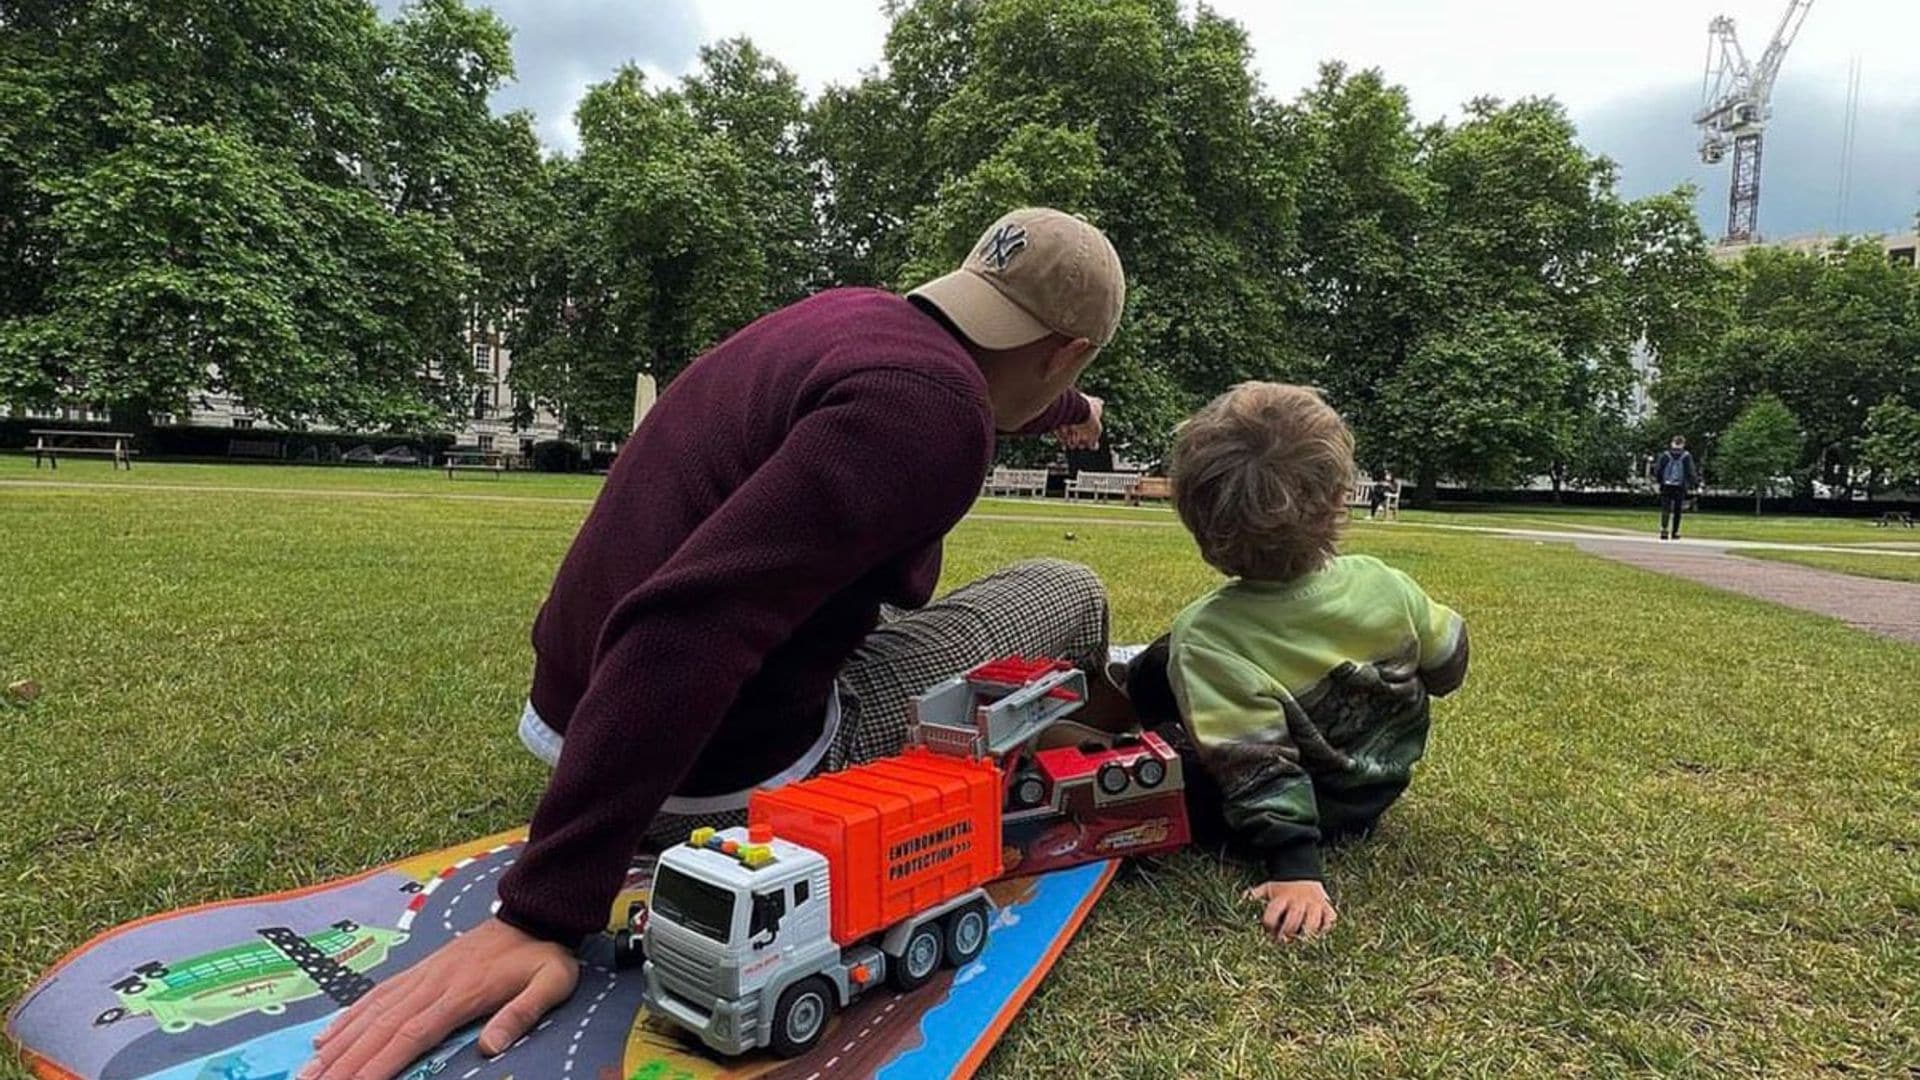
787,484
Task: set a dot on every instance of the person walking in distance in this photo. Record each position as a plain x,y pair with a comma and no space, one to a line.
1677,475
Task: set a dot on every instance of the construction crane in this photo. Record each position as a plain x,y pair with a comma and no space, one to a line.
1736,101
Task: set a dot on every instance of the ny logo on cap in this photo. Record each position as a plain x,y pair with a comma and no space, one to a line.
1003,244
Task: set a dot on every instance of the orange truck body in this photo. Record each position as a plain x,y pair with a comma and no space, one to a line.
900,835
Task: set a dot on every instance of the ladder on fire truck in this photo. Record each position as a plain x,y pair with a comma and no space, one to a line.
997,709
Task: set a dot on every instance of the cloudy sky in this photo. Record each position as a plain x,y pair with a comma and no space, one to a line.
1630,71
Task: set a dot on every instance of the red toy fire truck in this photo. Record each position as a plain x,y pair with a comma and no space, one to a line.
1101,798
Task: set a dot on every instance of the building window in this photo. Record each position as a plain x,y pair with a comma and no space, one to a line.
1902,256
485,441
482,357
526,447
244,423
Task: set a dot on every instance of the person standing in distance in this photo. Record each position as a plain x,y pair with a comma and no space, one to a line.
747,603
1677,475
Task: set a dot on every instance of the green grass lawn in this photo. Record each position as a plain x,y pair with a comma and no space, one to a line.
1888,567
1777,528
1786,529
15,467
1619,856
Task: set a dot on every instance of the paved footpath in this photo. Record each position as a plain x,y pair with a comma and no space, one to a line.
1888,608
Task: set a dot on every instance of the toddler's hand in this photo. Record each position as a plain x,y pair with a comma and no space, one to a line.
1294,909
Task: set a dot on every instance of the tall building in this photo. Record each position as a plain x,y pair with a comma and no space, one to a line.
1903,249
489,423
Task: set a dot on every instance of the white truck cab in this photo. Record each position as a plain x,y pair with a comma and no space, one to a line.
725,937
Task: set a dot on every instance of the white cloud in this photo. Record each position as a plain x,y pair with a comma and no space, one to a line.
822,42
1585,54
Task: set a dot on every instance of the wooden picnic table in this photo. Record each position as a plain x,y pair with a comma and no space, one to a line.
493,461
49,443
1894,517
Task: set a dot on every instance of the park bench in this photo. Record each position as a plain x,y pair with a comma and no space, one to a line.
255,448
1357,495
50,444
1099,485
492,461
1150,487
1894,517
1005,481
1361,496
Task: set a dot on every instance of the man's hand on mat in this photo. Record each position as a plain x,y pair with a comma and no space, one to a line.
1295,910
491,967
1084,435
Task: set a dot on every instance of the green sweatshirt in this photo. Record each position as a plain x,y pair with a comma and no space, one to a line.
1307,700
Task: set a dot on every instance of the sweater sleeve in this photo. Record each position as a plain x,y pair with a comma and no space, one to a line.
886,462
1239,722
1442,634
1071,407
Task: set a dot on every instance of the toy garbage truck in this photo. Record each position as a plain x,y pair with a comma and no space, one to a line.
871,874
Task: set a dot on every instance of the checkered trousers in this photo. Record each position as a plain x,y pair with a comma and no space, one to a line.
1043,607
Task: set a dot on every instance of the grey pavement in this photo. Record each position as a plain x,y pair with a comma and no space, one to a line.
1888,608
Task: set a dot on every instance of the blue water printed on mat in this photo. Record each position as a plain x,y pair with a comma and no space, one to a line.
1018,945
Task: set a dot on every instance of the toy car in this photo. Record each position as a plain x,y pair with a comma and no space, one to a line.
1094,800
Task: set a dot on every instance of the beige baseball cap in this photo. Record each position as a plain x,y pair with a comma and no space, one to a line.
1034,272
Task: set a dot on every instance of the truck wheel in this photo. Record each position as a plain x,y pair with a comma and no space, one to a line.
1029,791
801,1017
1149,772
966,935
629,951
919,960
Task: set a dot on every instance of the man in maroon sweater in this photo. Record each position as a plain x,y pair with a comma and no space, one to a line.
748,601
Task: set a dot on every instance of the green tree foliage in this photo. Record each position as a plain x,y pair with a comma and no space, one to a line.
1473,292
1146,121
296,203
1760,447
1828,333
307,206
755,104
1891,445
663,239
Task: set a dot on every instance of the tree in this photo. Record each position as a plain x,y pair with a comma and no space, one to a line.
294,203
1891,446
656,252
1144,120
1829,333
750,100
1467,294
1365,202
1762,445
